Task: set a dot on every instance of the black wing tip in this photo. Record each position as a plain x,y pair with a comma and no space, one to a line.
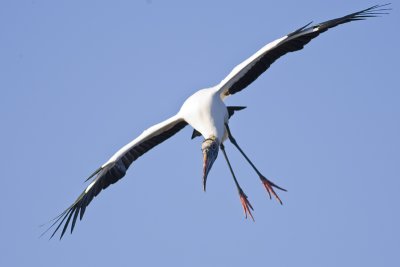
66,215
380,6
53,222
77,209
373,11
58,221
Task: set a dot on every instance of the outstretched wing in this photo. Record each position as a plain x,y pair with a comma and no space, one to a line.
248,71
115,168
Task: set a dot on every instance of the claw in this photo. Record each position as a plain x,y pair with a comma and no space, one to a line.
269,187
246,204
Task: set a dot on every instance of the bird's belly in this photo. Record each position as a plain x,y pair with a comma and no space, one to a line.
206,113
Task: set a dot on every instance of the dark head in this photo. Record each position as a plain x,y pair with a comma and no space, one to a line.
210,148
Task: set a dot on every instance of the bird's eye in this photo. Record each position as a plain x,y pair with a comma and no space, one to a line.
213,146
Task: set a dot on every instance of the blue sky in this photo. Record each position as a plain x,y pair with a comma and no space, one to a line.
79,79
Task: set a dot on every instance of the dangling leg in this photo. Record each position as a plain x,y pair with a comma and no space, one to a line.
243,198
267,183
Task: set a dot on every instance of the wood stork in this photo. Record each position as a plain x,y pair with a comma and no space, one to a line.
206,112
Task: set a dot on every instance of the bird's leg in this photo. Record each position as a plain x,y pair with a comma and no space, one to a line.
269,186
243,198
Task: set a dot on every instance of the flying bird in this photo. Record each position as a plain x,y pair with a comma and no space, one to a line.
206,112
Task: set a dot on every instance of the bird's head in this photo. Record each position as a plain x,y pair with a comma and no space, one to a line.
210,148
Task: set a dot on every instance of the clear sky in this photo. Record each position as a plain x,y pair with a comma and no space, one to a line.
79,79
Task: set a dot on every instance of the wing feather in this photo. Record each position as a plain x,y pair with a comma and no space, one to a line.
114,169
250,69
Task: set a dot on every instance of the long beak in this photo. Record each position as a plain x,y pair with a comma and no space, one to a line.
206,169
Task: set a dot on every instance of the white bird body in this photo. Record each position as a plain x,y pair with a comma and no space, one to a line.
207,113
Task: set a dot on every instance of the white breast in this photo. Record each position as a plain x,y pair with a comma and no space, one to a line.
206,112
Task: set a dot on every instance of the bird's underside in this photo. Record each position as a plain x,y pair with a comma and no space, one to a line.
208,115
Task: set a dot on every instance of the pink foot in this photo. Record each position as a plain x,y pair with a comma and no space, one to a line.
247,208
269,187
